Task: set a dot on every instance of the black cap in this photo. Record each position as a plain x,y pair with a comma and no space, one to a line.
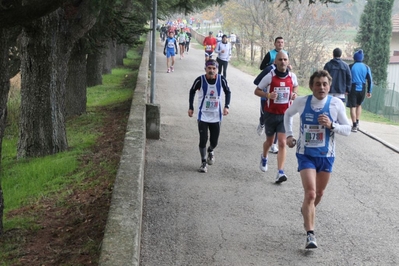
211,32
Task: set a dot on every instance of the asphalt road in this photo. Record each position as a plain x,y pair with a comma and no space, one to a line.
235,214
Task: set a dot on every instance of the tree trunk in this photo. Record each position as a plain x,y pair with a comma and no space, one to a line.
120,54
76,82
94,69
4,89
45,50
44,63
109,59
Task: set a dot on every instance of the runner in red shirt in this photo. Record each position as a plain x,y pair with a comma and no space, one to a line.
209,45
279,87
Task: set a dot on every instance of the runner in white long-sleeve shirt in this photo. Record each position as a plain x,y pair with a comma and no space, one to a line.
223,49
321,117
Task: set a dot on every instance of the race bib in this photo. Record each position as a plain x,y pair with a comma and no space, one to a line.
212,102
314,136
283,95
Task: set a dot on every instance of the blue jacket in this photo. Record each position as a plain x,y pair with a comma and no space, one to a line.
341,76
360,74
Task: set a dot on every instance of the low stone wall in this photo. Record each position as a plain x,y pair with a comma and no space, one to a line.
121,242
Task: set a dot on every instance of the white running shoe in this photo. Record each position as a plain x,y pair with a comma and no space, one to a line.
274,149
263,163
260,130
172,68
311,241
280,178
203,168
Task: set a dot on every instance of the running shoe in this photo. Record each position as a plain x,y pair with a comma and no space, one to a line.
172,68
168,71
203,168
281,177
260,130
263,163
211,158
311,241
354,129
274,149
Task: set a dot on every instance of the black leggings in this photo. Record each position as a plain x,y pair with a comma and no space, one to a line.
222,64
214,130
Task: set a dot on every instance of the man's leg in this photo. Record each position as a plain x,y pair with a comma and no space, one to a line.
203,139
282,141
214,132
220,63
353,111
261,126
267,144
225,68
308,177
358,114
322,179
263,158
308,209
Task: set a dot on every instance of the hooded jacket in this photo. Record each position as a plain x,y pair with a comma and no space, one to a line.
341,76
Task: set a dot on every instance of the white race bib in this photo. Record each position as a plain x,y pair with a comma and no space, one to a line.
314,135
283,95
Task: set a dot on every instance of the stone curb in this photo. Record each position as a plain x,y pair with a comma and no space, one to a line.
121,242
383,142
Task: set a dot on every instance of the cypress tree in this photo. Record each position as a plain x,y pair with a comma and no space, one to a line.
374,37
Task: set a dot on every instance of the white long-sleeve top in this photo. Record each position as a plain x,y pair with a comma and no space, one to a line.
226,47
342,125
309,143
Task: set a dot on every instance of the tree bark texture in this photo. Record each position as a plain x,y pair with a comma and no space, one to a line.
120,54
76,82
109,57
4,90
46,47
94,69
43,70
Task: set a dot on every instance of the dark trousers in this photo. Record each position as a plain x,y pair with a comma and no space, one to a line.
222,65
214,130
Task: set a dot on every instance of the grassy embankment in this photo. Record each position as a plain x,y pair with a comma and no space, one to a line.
27,182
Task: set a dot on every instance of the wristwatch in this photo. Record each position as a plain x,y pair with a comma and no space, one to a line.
332,125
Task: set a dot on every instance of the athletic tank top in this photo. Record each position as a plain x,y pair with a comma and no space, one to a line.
315,140
283,87
210,101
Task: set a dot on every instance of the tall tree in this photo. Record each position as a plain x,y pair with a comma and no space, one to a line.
4,89
306,30
374,37
46,47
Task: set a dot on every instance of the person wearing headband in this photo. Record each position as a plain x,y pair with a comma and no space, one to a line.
212,88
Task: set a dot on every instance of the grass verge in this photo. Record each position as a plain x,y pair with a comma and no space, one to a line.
56,206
